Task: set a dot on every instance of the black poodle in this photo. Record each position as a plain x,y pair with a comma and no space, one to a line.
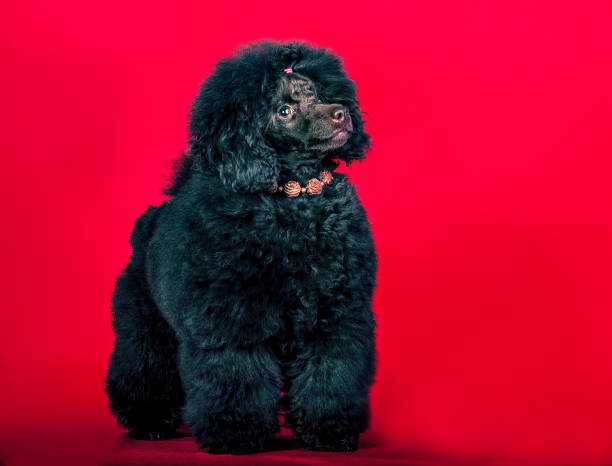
255,279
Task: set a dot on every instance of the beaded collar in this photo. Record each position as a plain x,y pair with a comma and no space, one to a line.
314,186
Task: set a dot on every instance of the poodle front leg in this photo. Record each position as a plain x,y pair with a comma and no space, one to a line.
329,389
231,396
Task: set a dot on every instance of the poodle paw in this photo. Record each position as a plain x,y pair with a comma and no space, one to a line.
349,442
235,434
236,442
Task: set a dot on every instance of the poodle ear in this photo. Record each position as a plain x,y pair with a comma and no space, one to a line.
238,152
228,120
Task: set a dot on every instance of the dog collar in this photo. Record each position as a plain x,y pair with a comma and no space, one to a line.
314,186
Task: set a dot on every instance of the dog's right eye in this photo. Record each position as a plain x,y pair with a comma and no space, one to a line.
285,111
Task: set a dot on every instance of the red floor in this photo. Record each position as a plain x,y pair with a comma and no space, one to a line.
107,445
101,443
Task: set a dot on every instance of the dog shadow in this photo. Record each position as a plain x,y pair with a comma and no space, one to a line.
281,443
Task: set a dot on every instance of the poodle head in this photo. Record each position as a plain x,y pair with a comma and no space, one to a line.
267,104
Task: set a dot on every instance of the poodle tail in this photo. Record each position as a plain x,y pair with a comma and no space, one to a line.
142,232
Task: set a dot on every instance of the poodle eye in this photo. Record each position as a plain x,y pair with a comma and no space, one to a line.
321,100
285,111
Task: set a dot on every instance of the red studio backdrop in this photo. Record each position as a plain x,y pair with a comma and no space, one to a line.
488,187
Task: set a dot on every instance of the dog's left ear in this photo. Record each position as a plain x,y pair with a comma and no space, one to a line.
228,119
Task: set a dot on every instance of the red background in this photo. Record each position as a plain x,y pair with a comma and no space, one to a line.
487,186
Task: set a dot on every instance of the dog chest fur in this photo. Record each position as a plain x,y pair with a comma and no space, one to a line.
278,260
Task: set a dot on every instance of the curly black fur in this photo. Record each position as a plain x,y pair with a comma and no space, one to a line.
234,294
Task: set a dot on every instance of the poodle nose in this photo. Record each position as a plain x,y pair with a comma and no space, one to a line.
338,114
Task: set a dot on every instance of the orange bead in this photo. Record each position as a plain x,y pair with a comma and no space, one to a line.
292,188
314,186
326,176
